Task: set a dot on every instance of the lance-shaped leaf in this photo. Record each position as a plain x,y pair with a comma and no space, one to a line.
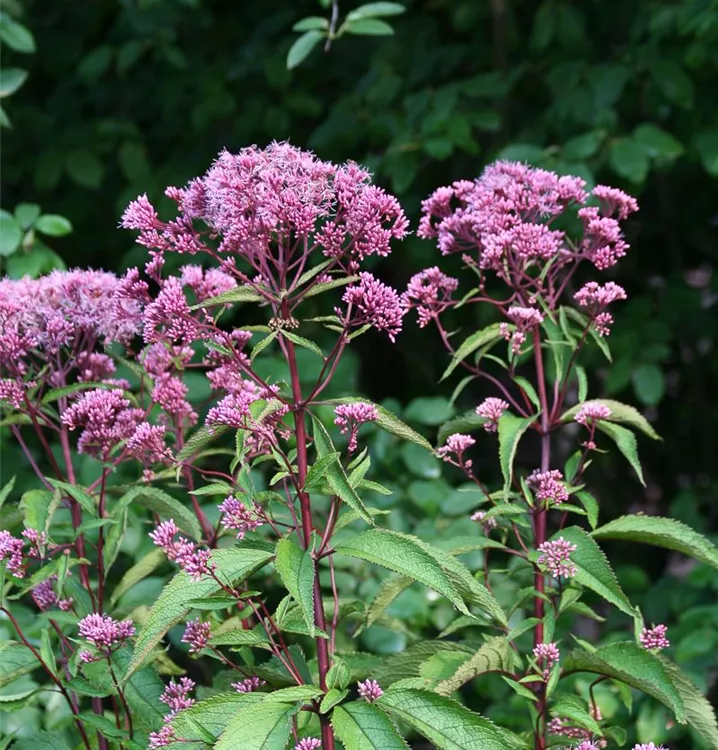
138,572
633,665
408,663
362,726
619,413
471,344
296,569
405,555
15,661
206,720
466,422
699,712
238,294
389,589
443,721
661,532
593,569
234,565
511,430
388,422
198,441
626,442
264,726
161,503
493,656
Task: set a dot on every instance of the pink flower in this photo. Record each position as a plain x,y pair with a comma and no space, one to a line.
613,200
103,632
37,539
196,634
370,690
348,417
453,449
591,413
648,746
491,410
556,556
176,696
430,293
487,523
603,243
170,393
12,393
308,743
169,317
249,685
654,639
148,444
547,654
375,304
237,516
548,486
165,736
11,550
193,560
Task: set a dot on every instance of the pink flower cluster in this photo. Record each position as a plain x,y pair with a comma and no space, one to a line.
654,639
486,523
104,632
491,410
191,558
591,413
308,743
375,304
430,293
524,319
349,417
548,486
45,597
196,634
595,298
556,556
546,654
370,690
237,516
453,449
177,696
11,549
248,685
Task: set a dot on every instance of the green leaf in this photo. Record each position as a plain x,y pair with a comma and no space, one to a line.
573,708
326,285
376,10
138,572
26,214
594,570
487,335
241,637
303,693
368,27
658,142
467,422
362,726
262,727
54,394
699,712
511,430
16,36
84,168
296,569
304,343
634,666
163,504
10,80
198,441
307,24
234,566
53,225
335,475
673,81
35,505
622,413
429,410
388,422
238,294
332,697
649,383
706,144
302,47
629,159
41,741
389,589
15,661
207,719
6,490
583,146
626,443
10,234
404,555
443,721
494,656
661,532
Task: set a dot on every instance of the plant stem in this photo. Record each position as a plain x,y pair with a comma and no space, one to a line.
307,528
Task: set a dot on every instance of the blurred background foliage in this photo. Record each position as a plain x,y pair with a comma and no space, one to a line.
118,97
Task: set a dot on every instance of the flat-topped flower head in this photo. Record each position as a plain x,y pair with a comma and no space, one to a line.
548,486
238,517
103,631
491,410
370,302
370,690
454,448
430,293
556,557
654,639
349,417
196,634
591,413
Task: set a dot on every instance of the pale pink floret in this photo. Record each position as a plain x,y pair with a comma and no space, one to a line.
546,654
556,556
648,746
236,516
103,632
374,303
487,523
591,413
654,639
148,444
248,685
194,561
453,449
164,737
196,634
613,200
430,293
491,410
11,550
548,486
308,743
177,696
348,417
370,690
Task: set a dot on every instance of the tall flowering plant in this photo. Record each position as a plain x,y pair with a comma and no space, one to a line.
534,246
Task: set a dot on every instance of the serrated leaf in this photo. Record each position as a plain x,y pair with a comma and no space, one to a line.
41,741
388,422
362,726
319,468
405,555
302,47
238,294
622,413
376,10
296,569
634,666
661,532
389,589
138,572
511,430
594,570
207,719
161,503
261,727
478,339
83,498
198,441
443,721
234,565
573,708
467,422
15,661
492,656
303,342
626,443
302,693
